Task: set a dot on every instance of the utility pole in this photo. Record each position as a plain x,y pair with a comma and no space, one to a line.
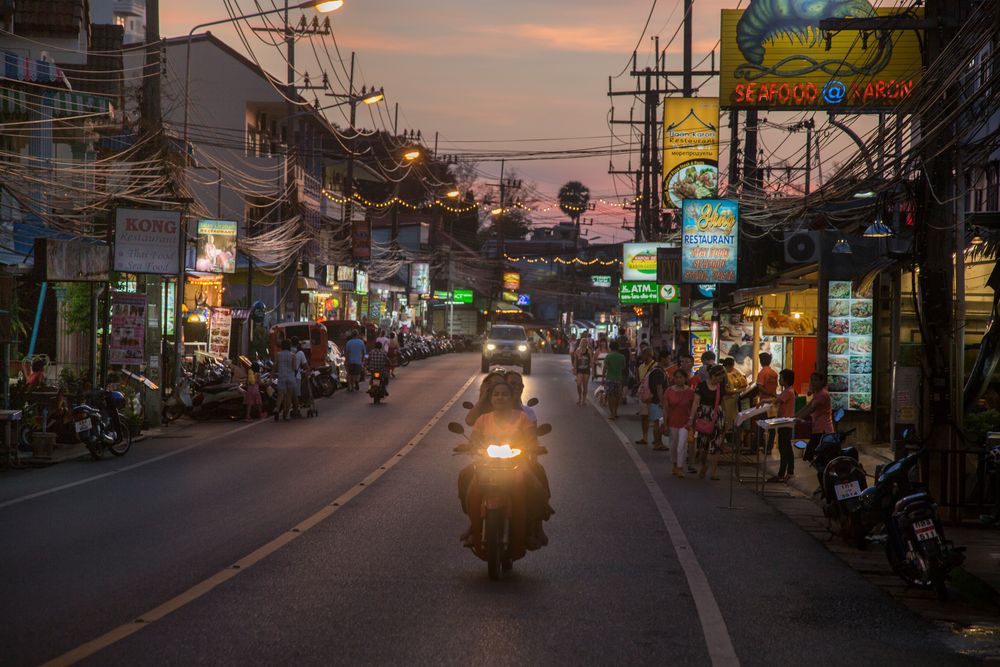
152,122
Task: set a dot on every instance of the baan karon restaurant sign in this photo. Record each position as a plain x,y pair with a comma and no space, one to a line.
710,235
774,56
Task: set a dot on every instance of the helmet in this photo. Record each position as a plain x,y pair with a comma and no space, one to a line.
116,399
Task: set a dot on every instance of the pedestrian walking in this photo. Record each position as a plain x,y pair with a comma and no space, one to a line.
301,378
644,366
354,350
657,385
614,378
251,397
785,403
707,362
820,410
284,366
677,400
393,354
707,421
582,364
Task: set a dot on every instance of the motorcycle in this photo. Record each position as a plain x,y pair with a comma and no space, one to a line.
218,399
841,479
323,381
915,542
499,499
100,426
376,387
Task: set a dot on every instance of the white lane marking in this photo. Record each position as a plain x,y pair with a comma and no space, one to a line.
713,625
201,588
88,480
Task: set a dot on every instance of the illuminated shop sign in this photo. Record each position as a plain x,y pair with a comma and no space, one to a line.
774,55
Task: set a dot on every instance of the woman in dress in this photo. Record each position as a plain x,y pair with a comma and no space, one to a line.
707,420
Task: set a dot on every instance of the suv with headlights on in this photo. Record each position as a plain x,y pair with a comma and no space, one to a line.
507,344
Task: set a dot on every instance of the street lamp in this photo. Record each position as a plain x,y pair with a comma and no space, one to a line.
411,155
453,194
321,6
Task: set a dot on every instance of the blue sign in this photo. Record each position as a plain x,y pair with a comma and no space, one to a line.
710,235
707,291
524,299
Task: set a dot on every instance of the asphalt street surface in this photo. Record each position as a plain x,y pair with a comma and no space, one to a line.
131,561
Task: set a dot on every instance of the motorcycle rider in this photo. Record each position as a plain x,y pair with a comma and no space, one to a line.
378,361
507,425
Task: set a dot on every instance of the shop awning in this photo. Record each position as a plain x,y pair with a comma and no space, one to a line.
306,283
796,280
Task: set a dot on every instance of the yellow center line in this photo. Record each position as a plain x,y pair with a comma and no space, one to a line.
205,586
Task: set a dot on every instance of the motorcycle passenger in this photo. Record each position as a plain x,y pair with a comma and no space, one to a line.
37,376
378,361
516,383
354,350
506,425
284,366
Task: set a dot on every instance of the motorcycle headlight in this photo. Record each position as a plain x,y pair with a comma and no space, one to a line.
522,348
491,347
502,452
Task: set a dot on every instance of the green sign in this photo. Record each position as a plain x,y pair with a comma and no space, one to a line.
600,281
462,296
636,293
442,296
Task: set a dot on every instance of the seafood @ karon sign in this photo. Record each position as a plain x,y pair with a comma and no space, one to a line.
710,241
775,56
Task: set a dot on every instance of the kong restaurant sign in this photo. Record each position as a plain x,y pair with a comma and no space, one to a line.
710,232
147,241
774,56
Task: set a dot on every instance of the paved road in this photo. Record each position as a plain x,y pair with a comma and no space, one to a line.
341,562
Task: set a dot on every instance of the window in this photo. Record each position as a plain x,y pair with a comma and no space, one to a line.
992,189
120,20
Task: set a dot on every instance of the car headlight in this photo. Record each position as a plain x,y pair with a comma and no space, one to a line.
522,348
490,346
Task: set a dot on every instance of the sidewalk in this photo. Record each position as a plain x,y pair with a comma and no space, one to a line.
972,613
64,453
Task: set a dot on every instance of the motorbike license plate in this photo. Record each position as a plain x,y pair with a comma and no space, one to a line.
848,490
82,425
925,529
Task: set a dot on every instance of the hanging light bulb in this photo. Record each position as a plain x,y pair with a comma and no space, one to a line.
976,238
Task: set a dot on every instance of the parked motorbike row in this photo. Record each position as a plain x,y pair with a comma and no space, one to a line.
94,420
896,510
210,392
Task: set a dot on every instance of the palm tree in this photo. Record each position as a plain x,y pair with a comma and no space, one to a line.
574,197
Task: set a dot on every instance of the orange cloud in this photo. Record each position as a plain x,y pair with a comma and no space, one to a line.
584,38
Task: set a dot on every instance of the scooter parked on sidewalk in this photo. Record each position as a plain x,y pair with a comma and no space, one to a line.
500,500
842,478
915,542
99,424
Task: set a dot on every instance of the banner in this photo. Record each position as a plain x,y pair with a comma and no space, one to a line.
774,56
850,322
361,282
128,329
72,261
216,246
710,241
220,327
420,278
361,239
639,260
524,299
146,241
690,149
635,293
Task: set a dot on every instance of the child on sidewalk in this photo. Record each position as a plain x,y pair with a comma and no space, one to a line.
251,398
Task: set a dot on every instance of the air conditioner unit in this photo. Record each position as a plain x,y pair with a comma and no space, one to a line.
801,247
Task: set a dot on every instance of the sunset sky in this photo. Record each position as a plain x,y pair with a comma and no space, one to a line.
492,72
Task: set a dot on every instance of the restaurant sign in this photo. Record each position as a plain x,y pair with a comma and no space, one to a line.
710,241
774,56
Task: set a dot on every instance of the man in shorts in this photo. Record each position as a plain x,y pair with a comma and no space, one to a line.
614,378
354,350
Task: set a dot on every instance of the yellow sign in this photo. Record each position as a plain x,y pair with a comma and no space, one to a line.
774,56
690,149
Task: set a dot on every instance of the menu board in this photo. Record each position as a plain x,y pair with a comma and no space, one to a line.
219,330
128,329
849,346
